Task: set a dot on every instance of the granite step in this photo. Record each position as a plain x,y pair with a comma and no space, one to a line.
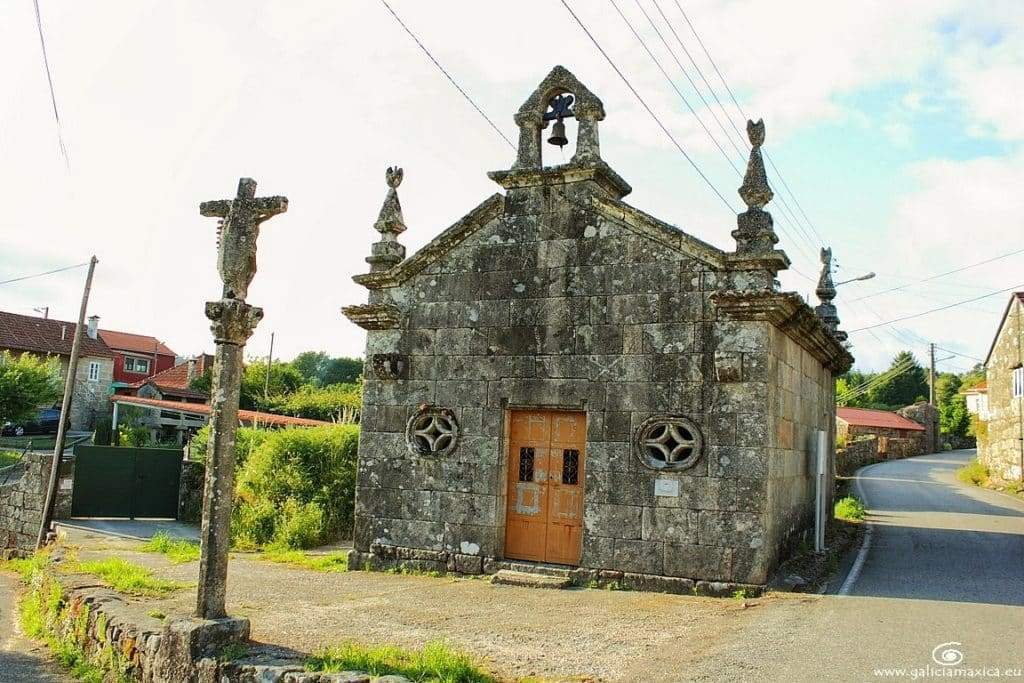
536,568
507,577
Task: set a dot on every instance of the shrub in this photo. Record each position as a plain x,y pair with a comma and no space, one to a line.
247,439
973,473
296,489
849,508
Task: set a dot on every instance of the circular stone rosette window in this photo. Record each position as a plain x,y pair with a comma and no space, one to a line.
668,443
432,432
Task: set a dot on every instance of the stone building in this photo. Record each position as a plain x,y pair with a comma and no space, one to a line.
562,378
1002,449
46,337
896,434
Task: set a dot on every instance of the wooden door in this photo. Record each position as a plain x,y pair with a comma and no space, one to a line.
545,486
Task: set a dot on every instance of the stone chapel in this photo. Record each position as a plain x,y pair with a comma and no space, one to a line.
560,381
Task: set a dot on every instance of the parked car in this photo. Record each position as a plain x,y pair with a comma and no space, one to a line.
46,421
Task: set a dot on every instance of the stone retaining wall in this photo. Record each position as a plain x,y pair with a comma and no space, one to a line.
22,494
190,492
857,454
120,637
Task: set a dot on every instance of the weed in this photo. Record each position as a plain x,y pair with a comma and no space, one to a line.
434,663
177,550
156,614
739,594
233,651
973,473
27,567
614,586
592,584
126,577
331,562
849,508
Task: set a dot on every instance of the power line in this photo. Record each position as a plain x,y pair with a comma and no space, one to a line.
446,74
948,272
782,207
941,308
645,106
743,114
49,80
668,78
962,355
878,380
49,272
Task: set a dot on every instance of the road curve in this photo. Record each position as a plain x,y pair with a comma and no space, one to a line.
944,572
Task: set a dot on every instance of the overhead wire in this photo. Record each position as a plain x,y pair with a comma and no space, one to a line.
49,80
943,274
654,116
48,272
940,308
446,74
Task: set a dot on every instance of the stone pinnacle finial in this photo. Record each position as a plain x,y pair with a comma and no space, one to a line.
390,221
826,292
390,224
755,191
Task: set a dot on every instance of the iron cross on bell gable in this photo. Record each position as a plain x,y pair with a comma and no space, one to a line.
560,109
237,232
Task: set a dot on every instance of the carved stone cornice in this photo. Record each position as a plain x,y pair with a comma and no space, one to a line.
775,260
233,320
597,171
374,316
791,315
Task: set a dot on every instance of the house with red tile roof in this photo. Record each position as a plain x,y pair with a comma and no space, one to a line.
174,383
853,423
138,356
47,337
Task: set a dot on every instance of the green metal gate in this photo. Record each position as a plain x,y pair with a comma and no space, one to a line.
126,482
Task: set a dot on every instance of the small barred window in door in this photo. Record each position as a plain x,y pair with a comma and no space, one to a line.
570,466
525,464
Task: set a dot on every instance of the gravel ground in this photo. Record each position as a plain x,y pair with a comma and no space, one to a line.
21,660
579,635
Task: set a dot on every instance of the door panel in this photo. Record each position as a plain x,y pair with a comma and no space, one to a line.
545,486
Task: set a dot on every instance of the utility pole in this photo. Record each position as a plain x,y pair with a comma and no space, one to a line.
270,361
931,374
65,408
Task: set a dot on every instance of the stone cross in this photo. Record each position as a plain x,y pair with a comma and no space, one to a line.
826,292
237,232
233,321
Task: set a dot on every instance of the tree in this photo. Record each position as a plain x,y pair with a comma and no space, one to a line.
904,387
333,403
312,365
342,371
27,383
284,379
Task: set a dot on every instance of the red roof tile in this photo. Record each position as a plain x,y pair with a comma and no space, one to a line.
246,416
865,417
176,378
135,343
45,335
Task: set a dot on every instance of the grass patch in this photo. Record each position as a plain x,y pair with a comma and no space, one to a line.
434,663
8,458
45,615
412,571
156,614
233,651
850,508
127,577
177,550
40,442
973,473
27,566
331,562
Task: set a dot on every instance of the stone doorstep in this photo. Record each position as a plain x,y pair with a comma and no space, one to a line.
535,568
508,577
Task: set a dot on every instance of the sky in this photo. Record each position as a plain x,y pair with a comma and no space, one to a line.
896,129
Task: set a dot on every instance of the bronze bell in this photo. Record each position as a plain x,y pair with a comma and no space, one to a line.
558,134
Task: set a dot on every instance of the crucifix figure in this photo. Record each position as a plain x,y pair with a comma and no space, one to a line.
233,322
237,231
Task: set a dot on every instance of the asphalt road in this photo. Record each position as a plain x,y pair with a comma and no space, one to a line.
20,659
943,572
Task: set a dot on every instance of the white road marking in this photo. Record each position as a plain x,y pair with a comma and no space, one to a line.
862,554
